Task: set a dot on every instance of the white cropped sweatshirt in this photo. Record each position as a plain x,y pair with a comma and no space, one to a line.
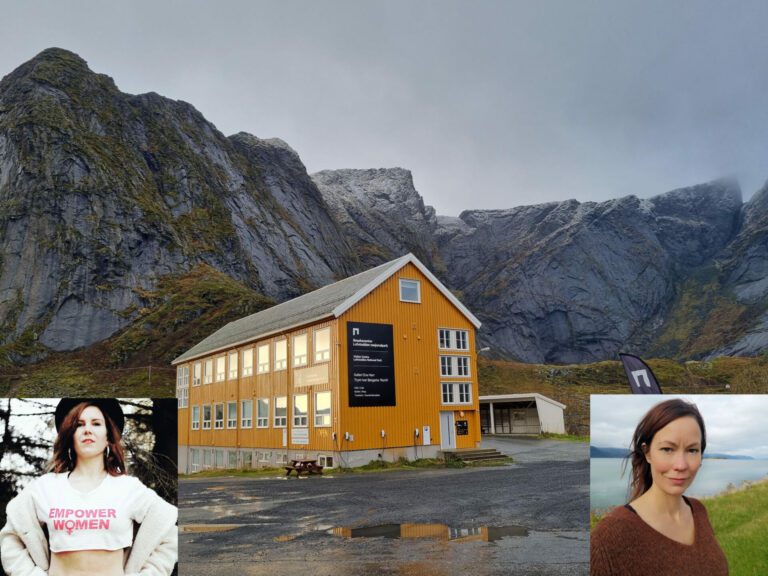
101,519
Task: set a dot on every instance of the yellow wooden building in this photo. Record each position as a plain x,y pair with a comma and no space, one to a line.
381,365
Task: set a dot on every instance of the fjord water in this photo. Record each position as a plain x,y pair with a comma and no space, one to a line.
608,487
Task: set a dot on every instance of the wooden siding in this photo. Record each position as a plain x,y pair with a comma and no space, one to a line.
267,385
417,380
417,368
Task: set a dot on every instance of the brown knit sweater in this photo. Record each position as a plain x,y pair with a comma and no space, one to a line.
622,544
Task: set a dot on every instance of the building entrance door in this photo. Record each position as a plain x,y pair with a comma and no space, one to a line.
447,431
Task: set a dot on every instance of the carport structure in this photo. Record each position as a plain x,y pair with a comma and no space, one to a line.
531,413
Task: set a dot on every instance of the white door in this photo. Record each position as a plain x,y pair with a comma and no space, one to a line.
447,431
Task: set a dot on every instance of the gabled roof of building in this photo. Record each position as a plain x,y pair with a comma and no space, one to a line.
326,302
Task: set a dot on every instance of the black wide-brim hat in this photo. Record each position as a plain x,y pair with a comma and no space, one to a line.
108,406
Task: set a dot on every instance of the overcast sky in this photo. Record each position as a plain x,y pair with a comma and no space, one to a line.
489,104
736,424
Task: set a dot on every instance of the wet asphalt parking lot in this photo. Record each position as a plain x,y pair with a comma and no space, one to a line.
529,518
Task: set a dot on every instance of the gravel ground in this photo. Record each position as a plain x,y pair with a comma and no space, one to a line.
277,526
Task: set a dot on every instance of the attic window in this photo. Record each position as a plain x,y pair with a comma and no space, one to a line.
410,290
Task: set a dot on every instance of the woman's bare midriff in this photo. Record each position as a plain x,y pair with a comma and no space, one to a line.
87,563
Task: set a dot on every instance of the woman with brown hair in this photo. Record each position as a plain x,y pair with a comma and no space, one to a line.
661,532
89,505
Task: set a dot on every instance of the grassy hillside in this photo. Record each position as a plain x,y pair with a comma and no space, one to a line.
740,521
182,311
572,385
704,317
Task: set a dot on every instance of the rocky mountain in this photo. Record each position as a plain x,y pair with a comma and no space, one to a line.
381,213
570,281
103,193
575,282
744,274
106,198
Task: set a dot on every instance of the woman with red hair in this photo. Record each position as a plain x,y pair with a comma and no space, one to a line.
89,506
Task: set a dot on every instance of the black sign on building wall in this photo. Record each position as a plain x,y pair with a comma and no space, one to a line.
371,364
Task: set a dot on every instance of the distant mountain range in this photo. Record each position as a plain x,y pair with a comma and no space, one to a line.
595,452
105,196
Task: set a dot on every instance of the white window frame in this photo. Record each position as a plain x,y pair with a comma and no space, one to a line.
455,367
218,423
262,360
299,420
207,458
196,417
300,359
246,458
232,374
466,392
231,422
197,374
281,421
207,423
323,420
246,421
403,284
231,453
325,461
324,354
282,363
208,371
247,354
462,343
194,460
262,421
451,338
221,368
451,393
183,398
182,386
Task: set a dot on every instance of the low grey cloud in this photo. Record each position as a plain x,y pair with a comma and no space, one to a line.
491,104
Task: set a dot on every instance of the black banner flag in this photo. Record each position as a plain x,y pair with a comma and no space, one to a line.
640,375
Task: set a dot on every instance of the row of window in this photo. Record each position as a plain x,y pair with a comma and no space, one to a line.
201,459
226,367
214,414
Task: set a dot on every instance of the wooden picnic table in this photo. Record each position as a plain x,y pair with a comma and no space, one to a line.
307,466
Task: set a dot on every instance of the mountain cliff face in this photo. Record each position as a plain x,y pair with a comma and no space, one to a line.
744,266
569,282
103,195
381,213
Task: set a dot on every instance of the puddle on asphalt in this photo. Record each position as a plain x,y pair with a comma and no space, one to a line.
433,531
286,538
209,527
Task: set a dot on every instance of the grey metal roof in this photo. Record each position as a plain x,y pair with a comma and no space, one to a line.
302,310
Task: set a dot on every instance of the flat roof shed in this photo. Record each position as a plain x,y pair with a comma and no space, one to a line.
531,413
